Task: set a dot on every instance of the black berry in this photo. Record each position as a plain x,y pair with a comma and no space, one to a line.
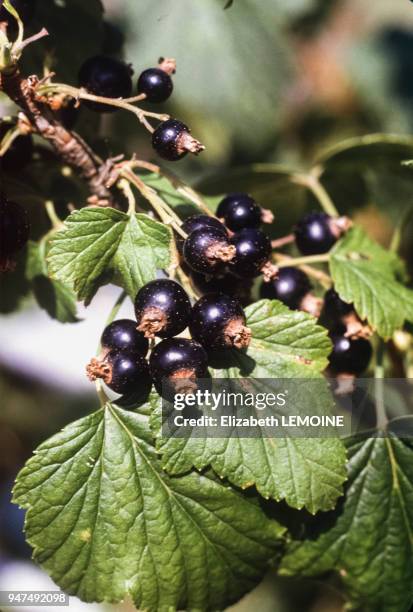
172,140
14,231
20,152
107,77
290,286
349,356
225,283
178,359
156,84
196,222
218,322
314,234
122,371
253,249
239,211
334,307
206,250
162,309
122,335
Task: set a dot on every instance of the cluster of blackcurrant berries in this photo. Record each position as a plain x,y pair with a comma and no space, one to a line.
163,309
109,77
220,252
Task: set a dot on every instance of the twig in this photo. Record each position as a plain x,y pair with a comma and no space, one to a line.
312,182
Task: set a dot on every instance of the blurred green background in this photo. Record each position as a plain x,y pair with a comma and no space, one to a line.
260,82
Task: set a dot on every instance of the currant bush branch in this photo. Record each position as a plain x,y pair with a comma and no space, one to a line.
47,89
312,182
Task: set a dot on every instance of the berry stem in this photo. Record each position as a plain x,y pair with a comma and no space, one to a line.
278,243
8,140
165,213
302,261
51,213
81,94
323,278
381,416
312,182
124,186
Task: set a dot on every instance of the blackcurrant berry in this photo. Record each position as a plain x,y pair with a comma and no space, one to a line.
218,322
226,283
162,309
122,335
14,231
20,152
349,356
206,250
315,234
196,222
334,307
122,371
239,211
107,77
25,8
253,249
178,359
290,286
172,140
156,84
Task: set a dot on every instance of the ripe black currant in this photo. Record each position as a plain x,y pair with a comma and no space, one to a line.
178,360
206,250
122,371
162,309
290,286
225,283
122,335
334,307
253,249
25,8
218,322
349,356
20,152
196,222
315,234
156,84
14,231
239,211
107,77
172,140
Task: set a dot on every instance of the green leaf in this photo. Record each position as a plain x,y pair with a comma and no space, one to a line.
304,472
368,539
364,273
106,522
52,295
97,240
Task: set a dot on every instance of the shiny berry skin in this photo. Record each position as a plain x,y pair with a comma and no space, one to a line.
253,249
20,152
239,211
107,77
14,231
156,84
178,358
218,322
207,249
122,335
162,308
290,287
196,222
227,283
127,372
349,356
313,234
334,306
25,8
166,139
